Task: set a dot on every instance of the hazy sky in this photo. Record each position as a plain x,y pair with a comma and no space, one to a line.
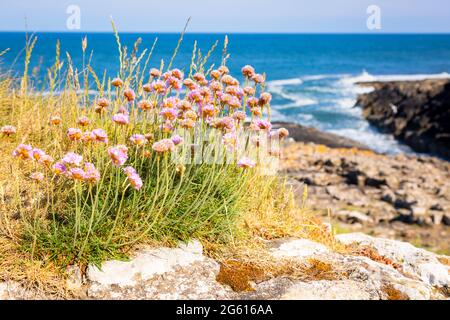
228,15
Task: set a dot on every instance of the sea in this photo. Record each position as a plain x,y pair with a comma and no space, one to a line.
312,77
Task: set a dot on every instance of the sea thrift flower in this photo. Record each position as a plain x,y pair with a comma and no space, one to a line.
169,114
280,133
55,120
250,91
190,84
159,87
59,168
74,134
8,130
229,80
83,121
166,127
223,70
133,177
129,95
216,86
23,151
225,123
117,82
155,73
138,139
176,139
72,158
121,119
174,83
187,123
103,102
37,154
88,136
248,71
263,124
149,136
258,78
146,105
252,102
256,111
239,116
230,140
37,176
208,111
118,154
195,96
245,163
147,87
76,174
191,115
199,77
265,98
46,160
184,105
100,135
163,145
177,73
91,174
216,74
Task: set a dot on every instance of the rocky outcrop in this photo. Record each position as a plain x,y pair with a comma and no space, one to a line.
393,270
402,196
301,133
415,112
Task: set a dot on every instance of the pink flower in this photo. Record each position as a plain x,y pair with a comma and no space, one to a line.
265,98
250,91
263,124
138,139
117,82
146,105
229,80
83,121
103,102
72,158
59,168
166,127
177,73
123,110
195,96
176,139
169,113
37,154
171,102
174,83
245,163
258,78
158,86
239,115
46,160
208,111
76,174
8,130
129,94
118,154
248,71
155,73
100,135
280,133
133,177
37,176
55,120
163,145
252,102
23,151
121,118
190,84
230,140
74,134
91,174
88,136
225,123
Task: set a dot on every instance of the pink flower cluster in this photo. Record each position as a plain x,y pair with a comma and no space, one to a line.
118,154
133,177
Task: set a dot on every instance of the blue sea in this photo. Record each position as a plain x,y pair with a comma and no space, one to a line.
311,76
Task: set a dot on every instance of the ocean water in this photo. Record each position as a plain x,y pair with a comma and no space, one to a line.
311,76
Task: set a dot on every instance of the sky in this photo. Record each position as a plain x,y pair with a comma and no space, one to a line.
249,16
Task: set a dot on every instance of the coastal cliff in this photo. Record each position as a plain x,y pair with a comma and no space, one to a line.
415,112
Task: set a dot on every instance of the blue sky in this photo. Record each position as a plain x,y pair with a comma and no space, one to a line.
228,15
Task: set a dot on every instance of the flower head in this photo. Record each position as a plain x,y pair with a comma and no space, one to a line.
76,174
159,87
100,135
258,78
245,163
83,121
230,140
91,174
23,151
138,139
133,177
55,120
72,158
59,168
155,73
37,154
88,136
163,145
239,115
118,154
146,105
8,130
248,71
74,134
121,118
176,139
117,82
208,111
265,98
169,113
129,95
37,176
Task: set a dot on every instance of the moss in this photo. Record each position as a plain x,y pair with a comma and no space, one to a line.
239,275
393,293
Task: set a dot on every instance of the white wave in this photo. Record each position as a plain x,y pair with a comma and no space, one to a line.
285,82
367,77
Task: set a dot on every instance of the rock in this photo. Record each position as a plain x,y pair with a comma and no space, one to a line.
422,117
350,216
299,248
423,264
163,273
